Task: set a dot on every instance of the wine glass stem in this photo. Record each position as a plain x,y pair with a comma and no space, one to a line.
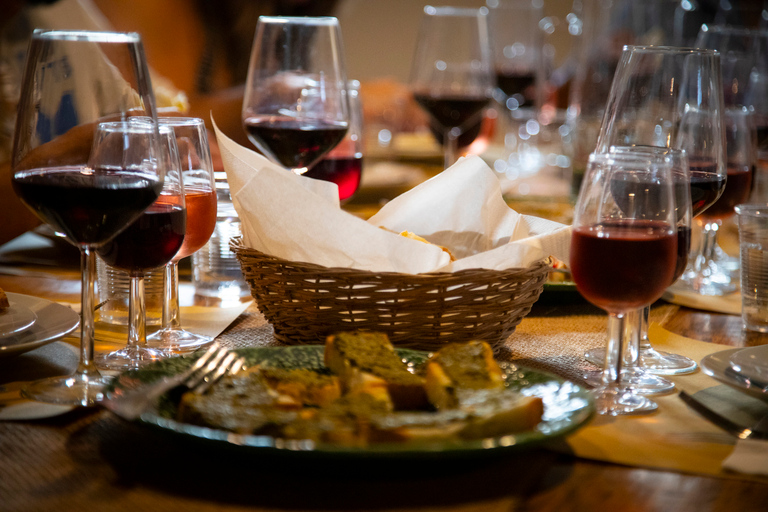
643,342
137,327
171,316
88,277
614,352
707,246
451,143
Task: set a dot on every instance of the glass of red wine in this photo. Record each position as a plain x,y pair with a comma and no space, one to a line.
343,165
517,43
200,201
295,107
452,74
74,80
669,97
150,241
642,358
623,254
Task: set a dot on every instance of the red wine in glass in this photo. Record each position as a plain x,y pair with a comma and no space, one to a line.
451,111
343,171
151,241
201,220
706,185
515,83
683,249
295,144
737,189
640,255
90,206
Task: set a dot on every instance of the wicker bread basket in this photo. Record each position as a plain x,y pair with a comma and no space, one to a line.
305,302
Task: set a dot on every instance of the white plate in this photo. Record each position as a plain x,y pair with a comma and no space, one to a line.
15,319
718,366
53,322
752,362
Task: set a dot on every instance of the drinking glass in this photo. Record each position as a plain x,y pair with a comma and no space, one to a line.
669,97
712,271
200,200
343,165
623,254
642,360
295,107
150,241
74,80
451,75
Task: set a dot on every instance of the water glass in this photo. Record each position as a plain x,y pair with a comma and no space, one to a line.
753,250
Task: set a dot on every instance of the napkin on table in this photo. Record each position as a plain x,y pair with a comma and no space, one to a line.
299,219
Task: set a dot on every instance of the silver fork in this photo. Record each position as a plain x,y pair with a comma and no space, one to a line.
204,373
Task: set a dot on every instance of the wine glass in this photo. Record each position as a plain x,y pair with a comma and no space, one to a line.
756,98
295,107
641,358
150,241
451,74
200,200
669,97
623,253
343,165
73,80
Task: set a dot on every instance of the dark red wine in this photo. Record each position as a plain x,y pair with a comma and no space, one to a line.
344,172
88,206
736,191
706,185
683,249
623,265
150,241
295,144
467,136
512,83
452,111
762,137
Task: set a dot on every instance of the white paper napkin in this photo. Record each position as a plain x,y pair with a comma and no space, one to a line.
749,456
299,219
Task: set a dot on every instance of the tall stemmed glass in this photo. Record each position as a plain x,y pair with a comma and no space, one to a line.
623,254
452,74
74,80
149,242
295,107
669,97
200,199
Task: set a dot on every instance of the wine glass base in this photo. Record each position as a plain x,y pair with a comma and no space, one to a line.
178,341
638,380
651,360
83,390
130,357
610,401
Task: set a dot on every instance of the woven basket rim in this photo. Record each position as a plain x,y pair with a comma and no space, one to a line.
236,243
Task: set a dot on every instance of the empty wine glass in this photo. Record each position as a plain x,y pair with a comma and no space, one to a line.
150,241
295,107
200,201
623,254
451,74
74,80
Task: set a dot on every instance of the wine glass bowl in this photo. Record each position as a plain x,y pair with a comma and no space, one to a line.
73,81
451,74
295,107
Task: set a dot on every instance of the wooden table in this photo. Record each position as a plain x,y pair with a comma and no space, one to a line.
93,461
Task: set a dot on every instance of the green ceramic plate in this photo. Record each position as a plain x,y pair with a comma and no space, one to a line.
568,406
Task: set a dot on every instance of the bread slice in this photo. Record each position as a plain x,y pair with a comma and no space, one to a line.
308,387
4,304
367,363
458,368
497,412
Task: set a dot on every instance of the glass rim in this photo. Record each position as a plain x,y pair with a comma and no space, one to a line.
752,209
689,50
447,10
301,20
731,29
629,156
86,36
